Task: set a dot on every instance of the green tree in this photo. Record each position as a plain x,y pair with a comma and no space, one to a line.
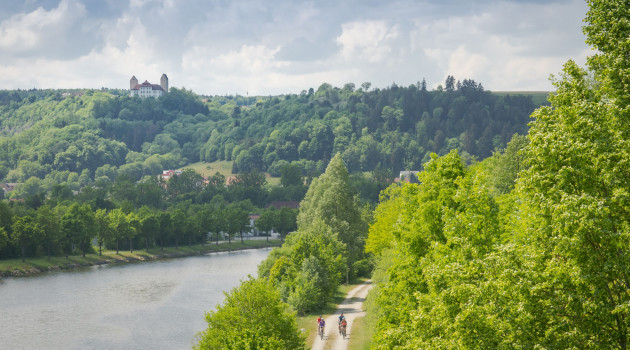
104,232
25,231
149,225
285,221
314,254
120,226
291,175
237,220
266,220
166,228
329,199
77,225
178,217
252,316
134,228
4,238
49,224
575,192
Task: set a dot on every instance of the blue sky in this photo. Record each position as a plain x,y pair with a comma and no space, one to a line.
271,47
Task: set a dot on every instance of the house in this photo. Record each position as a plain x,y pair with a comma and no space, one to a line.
8,187
408,176
167,174
255,232
147,89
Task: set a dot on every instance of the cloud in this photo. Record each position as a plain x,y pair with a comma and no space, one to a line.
368,40
273,47
29,32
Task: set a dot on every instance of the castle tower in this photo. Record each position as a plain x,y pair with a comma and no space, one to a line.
164,82
133,82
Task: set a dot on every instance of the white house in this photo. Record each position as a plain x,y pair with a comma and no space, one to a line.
147,89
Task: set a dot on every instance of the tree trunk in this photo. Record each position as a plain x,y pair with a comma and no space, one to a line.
130,245
117,247
146,243
242,237
23,253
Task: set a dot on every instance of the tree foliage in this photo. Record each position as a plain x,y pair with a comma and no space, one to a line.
528,249
253,316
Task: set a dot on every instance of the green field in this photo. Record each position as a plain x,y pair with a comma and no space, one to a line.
223,167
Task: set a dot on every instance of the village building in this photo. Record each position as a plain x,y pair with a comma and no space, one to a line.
147,89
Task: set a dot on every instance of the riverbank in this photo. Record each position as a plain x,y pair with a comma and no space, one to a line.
37,265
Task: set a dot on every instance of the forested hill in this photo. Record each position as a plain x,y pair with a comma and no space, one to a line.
82,136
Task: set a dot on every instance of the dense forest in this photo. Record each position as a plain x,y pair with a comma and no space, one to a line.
70,156
92,136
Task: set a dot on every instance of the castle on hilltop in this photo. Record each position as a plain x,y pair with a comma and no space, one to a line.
147,89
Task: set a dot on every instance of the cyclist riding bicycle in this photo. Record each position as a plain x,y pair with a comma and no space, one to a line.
342,318
320,326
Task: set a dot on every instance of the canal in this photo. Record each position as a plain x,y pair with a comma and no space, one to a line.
148,305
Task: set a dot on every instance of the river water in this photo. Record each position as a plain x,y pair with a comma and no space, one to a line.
148,305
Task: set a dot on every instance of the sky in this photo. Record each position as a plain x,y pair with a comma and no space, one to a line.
274,47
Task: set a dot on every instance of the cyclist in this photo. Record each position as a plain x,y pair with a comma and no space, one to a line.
344,324
341,318
321,324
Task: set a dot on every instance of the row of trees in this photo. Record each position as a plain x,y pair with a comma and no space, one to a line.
146,214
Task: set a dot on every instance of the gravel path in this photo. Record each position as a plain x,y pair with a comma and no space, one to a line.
352,308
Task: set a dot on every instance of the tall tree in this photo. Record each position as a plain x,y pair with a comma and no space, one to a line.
103,229
49,224
120,226
330,199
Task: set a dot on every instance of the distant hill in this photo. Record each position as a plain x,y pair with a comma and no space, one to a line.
80,137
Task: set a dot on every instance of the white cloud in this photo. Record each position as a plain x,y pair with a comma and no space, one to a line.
366,41
29,31
274,47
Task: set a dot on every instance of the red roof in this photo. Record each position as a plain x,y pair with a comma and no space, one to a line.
147,84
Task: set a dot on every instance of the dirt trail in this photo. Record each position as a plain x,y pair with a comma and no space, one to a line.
352,308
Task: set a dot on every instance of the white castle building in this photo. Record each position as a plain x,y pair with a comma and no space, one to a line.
147,89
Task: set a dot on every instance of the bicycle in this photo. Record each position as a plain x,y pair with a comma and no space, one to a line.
321,332
343,331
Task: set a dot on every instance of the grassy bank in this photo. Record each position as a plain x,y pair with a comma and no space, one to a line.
15,267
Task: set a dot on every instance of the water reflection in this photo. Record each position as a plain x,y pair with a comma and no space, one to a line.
158,304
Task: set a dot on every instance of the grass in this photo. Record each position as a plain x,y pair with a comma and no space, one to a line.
359,339
39,264
223,167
